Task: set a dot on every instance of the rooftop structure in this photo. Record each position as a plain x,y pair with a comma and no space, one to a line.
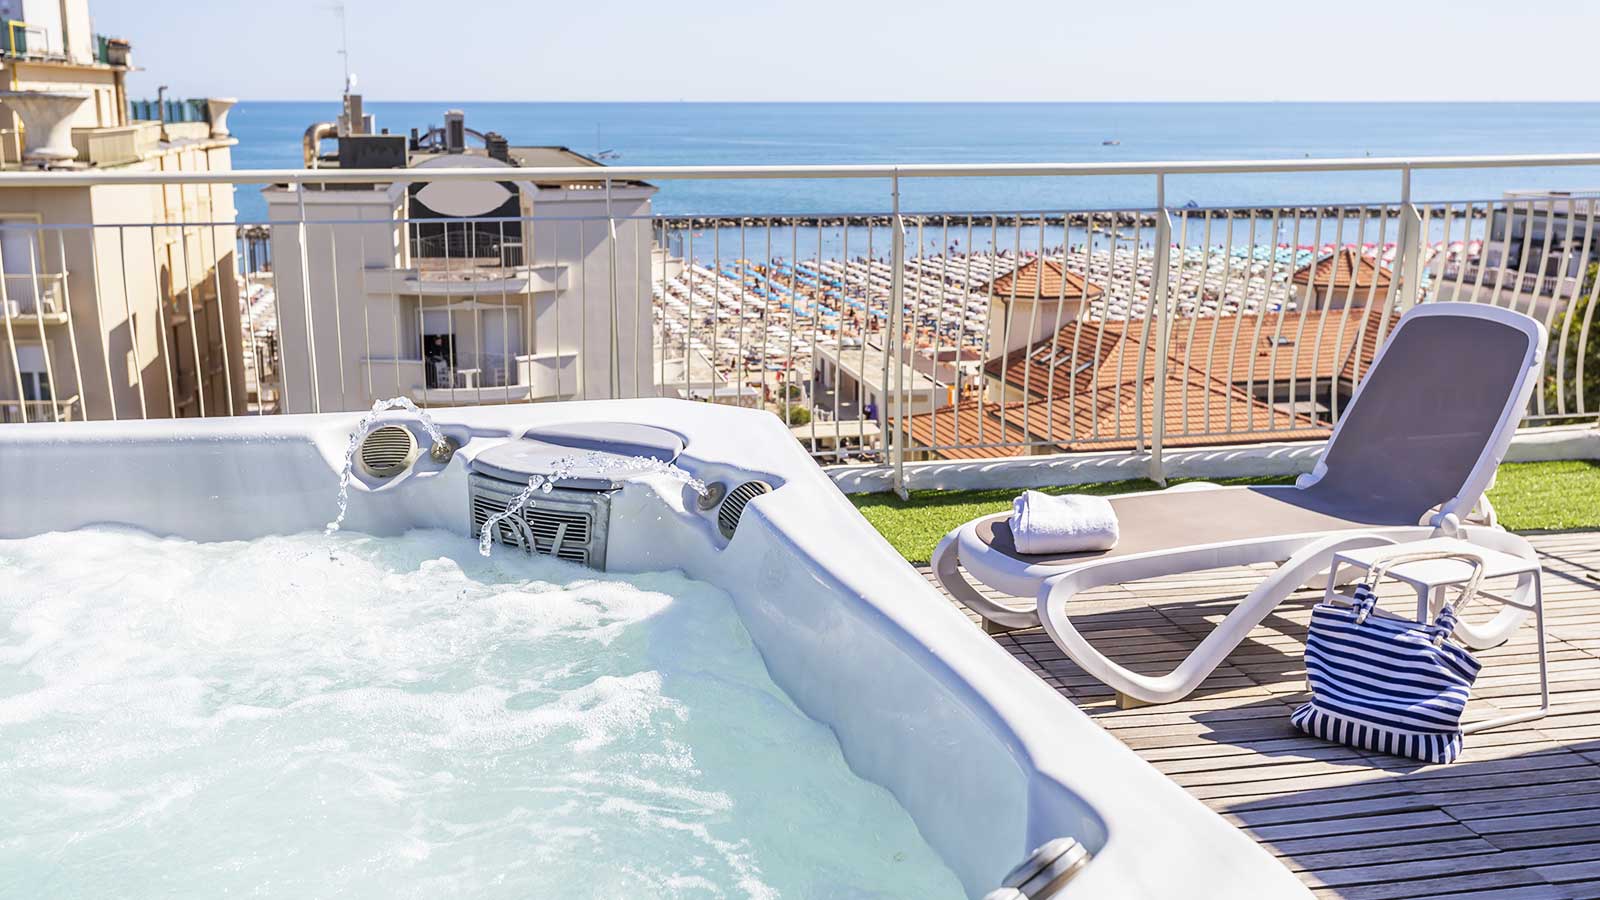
1041,278
1343,277
464,292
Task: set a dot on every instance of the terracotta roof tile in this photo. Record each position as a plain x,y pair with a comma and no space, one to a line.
970,424
1089,353
1334,271
1027,282
1245,349
1251,349
1197,410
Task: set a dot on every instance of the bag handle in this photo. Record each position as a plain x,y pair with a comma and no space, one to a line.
1445,623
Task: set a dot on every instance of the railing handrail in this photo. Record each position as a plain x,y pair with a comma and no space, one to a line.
616,174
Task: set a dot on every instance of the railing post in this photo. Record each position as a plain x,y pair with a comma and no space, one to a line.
11,345
1408,263
1158,308
895,337
305,295
616,346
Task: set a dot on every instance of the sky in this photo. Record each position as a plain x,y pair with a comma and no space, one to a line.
866,50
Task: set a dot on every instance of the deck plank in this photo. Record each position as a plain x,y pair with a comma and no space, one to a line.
1516,818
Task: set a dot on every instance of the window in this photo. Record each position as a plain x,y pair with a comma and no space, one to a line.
19,257
36,386
35,374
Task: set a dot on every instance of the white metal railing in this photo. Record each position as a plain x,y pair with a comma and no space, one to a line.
880,336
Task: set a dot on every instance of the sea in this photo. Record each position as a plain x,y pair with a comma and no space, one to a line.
269,135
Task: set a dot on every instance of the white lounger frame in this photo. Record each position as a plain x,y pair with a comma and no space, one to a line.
1304,557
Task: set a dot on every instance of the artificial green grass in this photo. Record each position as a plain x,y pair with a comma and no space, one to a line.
1548,496
1527,497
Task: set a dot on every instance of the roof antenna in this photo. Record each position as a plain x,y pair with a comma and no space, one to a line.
344,43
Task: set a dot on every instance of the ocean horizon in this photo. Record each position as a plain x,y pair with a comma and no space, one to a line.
810,133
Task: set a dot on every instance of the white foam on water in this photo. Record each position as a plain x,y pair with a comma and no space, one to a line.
408,719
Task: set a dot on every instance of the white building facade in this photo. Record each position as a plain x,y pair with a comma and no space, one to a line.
463,292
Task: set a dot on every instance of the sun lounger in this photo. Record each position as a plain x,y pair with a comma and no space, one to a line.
1410,459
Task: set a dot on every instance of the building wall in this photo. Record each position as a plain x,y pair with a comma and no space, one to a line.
132,348
103,107
363,325
570,229
324,356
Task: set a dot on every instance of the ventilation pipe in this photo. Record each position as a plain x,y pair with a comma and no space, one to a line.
313,139
47,122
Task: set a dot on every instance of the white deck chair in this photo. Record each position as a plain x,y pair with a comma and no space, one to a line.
1410,459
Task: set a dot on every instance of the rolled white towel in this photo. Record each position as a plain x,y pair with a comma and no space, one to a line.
1072,523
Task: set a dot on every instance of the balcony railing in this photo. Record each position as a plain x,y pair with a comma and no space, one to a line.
885,335
63,410
30,295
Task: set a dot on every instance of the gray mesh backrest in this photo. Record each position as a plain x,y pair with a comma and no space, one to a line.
1424,417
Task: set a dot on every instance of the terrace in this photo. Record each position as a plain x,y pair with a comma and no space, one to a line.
1067,347
1514,818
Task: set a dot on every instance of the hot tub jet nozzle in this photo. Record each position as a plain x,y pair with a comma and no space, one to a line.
443,450
1044,873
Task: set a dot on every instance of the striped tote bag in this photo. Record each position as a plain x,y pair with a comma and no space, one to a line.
1387,684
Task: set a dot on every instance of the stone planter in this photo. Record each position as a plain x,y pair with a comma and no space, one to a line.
47,123
217,109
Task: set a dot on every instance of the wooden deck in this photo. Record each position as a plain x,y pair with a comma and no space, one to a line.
1517,817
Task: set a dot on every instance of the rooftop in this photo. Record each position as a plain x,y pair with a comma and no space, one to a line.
1104,417
1335,270
1040,279
1084,383
532,157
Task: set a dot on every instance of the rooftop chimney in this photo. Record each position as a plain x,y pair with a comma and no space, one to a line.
455,131
497,147
352,120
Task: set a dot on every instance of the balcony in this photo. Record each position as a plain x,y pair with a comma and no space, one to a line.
63,410
35,299
472,381
116,145
470,277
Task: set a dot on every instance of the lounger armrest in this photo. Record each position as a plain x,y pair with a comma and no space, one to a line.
1056,593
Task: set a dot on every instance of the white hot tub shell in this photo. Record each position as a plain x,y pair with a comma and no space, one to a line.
989,761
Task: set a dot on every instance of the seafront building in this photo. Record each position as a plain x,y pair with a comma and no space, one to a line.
119,300
457,293
1539,244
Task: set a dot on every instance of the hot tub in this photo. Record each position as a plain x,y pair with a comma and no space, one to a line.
982,758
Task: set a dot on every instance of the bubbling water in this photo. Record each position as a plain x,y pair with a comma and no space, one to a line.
408,719
378,408
593,462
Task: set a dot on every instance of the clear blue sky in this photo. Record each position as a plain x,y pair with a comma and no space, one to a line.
864,49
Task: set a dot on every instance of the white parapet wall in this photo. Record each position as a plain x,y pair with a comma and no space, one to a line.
1235,461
